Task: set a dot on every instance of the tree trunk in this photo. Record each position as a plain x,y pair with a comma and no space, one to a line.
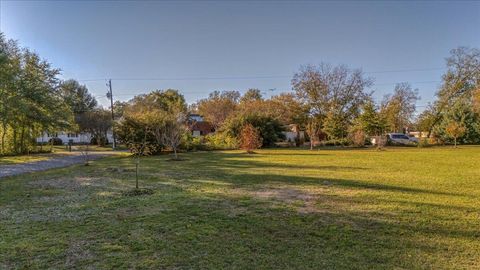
22,141
175,152
136,174
15,146
455,142
4,132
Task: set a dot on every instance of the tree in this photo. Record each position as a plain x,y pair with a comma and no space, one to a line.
455,130
154,109
461,111
77,97
174,130
357,136
370,120
252,94
287,109
476,100
398,109
425,119
218,107
270,129
250,138
138,150
85,151
460,80
336,92
150,116
312,129
97,122
29,98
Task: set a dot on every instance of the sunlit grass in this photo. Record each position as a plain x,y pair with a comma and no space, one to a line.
22,159
403,208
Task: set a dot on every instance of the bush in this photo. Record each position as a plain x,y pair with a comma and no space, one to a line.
190,143
221,141
250,138
423,142
131,132
357,138
55,141
270,129
337,142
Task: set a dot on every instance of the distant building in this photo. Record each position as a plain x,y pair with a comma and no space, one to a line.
292,133
76,138
198,127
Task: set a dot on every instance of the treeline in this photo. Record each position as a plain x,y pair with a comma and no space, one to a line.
333,104
33,100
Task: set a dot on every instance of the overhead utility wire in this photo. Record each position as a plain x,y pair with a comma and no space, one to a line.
245,77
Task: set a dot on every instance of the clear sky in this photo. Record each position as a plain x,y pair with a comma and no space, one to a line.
201,46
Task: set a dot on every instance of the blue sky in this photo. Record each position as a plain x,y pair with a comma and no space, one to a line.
203,46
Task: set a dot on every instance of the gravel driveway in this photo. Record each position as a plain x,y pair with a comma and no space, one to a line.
56,161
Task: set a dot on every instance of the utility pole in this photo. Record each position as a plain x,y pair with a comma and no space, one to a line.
110,95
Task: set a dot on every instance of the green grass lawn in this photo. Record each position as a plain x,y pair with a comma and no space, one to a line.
403,208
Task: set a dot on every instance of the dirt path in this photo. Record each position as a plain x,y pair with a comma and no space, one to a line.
56,161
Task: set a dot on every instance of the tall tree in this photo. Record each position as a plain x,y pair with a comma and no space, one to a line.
218,107
173,130
151,112
461,79
252,94
336,92
77,96
287,109
370,120
97,122
399,109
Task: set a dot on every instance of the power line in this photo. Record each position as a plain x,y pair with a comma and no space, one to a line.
246,77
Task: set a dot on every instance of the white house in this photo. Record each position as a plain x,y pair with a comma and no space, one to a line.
75,138
293,132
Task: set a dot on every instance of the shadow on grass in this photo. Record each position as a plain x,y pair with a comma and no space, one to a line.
222,167
181,227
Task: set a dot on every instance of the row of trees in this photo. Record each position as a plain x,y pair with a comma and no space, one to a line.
30,102
33,100
331,103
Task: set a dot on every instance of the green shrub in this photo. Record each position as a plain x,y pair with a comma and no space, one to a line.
270,129
221,140
423,142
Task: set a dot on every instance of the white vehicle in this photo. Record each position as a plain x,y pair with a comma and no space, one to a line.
413,138
401,139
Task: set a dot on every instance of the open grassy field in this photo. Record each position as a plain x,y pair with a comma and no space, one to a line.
403,208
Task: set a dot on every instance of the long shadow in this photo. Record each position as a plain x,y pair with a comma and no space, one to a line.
202,229
279,233
222,168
